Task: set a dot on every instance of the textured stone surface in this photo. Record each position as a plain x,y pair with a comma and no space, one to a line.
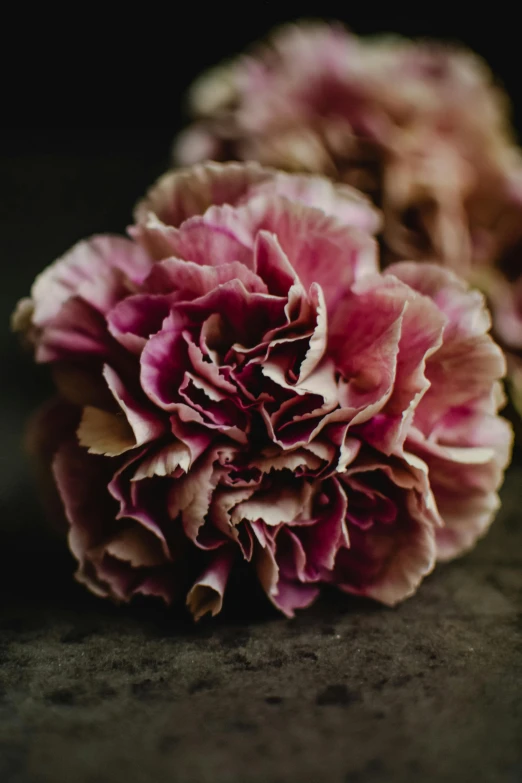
346,693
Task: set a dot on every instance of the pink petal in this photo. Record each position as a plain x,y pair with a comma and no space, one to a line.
146,424
364,339
93,270
320,248
76,331
216,238
162,364
133,320
321,540
388,560
286,596
346,204
466,461
421,336
180,195
192,280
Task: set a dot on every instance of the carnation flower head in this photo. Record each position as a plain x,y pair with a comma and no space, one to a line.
420,125
244,388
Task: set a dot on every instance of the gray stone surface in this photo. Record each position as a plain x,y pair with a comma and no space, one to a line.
345,693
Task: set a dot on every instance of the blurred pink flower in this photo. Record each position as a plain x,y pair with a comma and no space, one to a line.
421,126
250,389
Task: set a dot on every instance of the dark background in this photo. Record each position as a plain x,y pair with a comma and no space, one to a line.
347,692
96,82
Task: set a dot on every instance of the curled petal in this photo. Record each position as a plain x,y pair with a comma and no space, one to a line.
145,423
162,362
165,462
206,595
274,507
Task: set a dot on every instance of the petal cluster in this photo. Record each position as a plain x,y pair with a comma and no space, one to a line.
251,390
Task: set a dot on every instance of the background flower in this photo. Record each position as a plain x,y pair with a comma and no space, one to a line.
252,389
419,125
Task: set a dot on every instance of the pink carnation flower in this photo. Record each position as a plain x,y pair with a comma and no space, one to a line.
250,390
418,125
